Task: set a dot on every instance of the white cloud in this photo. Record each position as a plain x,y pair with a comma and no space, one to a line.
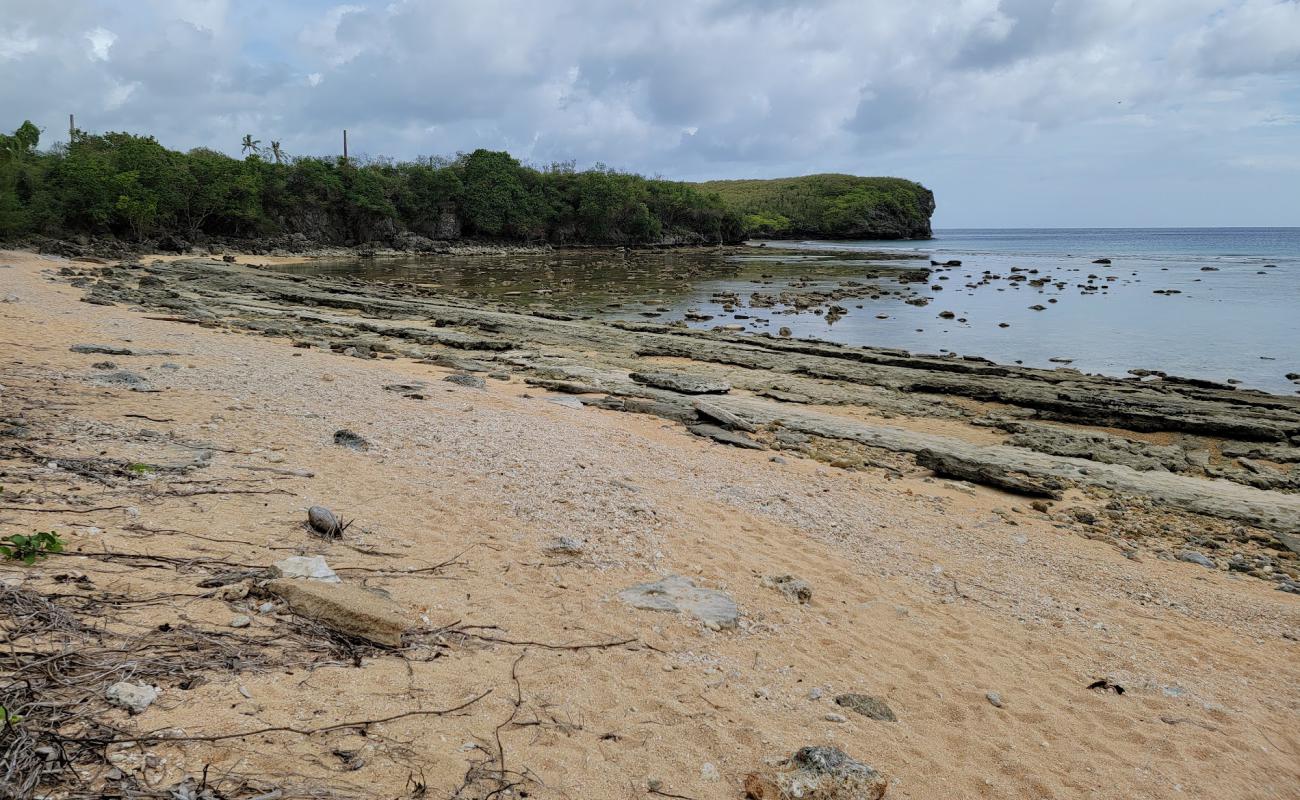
101,41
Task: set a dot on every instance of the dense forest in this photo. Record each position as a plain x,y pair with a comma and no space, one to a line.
830,206
134,189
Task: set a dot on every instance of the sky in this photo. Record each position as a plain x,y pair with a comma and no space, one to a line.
1016,113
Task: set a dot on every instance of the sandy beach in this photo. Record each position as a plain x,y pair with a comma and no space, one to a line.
979,620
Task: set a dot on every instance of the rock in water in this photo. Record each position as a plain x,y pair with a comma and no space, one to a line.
818,773
310,567
346,438
681,382
350,610
677,594
133,697
867,706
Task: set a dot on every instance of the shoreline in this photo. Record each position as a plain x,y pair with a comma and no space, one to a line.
927,591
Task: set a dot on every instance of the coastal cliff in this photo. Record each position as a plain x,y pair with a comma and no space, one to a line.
829,206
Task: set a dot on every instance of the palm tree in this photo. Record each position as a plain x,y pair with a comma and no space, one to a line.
251,145
276,152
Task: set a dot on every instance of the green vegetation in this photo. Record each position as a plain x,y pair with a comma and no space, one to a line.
133,188
829,207
29,548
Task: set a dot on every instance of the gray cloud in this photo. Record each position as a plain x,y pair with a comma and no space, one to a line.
1004,108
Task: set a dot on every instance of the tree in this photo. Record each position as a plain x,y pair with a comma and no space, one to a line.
276,152
251,145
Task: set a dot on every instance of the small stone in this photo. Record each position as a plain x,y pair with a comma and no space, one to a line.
241,621
133,697
994,699
833,717
795,589
351,440
867,706
564,546
815,693
468,381
709,772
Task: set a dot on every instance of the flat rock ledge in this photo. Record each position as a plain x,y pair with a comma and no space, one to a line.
680,595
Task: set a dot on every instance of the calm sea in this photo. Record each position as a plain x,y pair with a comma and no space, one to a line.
1216,303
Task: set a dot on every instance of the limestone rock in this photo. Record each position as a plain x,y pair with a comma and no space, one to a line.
349,610
818,773
468,381
131,696
309,567
680,595
682,382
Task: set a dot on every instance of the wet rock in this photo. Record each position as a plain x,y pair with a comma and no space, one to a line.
677,594
349,610
867,706
309,567
796,589
131,696
353,441
681,382
468,381
818,773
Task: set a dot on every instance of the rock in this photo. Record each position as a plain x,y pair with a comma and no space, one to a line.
310,567
681,382
680,595
818,773
1101,261
796,589
101,349
1193,557
567,402
349,610
241,621
129,380
229,259
833,717
784,333
994,699
722,416
564,546
323,521
867,706
468,381
104,365
131,696
354,441
709,772
724,436
951,465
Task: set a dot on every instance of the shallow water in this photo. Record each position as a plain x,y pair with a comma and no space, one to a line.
1239,319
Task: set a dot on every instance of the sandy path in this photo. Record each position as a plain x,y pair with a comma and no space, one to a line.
922,594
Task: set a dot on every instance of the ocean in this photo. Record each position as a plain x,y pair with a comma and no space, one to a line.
1216,303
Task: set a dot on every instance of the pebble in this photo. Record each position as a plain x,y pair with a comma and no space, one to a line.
833,717
709,772
241,621
995,699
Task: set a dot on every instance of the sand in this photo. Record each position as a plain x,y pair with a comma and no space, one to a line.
924,594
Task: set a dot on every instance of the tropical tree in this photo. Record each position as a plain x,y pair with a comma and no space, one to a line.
251,145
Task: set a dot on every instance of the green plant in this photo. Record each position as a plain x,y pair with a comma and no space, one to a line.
28,549
139,469
8,719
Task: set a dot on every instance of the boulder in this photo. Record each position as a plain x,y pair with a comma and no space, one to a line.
350,610
818,773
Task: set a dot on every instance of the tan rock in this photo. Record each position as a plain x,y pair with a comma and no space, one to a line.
350,610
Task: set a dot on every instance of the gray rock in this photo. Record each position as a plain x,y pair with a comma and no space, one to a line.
323,521
677,594
125,379
796,589
309,567
468,381
241,621
131,696
722,416
724,436
682,382
1193,557
994,699
102,349
867,706
818,773
354,441
564,546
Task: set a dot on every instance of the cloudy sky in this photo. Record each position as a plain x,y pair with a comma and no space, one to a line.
1015,112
